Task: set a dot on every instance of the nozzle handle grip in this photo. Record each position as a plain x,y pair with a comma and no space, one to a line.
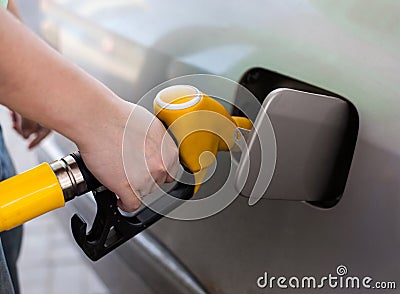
110,228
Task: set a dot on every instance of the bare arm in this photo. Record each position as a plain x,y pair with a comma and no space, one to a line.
44,86
39,83
28,129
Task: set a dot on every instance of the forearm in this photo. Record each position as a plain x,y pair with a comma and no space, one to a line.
41,85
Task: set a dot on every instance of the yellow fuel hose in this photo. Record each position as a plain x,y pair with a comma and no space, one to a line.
28,195
43,189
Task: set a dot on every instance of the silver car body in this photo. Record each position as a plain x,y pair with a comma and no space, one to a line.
348,47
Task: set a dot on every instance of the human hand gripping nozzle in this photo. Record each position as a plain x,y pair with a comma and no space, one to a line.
198,123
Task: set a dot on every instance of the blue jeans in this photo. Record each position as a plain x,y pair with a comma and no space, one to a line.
10,241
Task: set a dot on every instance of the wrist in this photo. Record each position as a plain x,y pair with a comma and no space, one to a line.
105,121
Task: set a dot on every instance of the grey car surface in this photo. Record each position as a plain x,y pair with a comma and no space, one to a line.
347,48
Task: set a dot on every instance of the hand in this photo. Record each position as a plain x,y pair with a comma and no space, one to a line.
27,128
149,152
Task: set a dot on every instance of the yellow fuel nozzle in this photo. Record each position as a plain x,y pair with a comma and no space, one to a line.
200,124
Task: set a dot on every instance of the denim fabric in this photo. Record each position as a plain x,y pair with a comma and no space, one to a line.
5,279
10,241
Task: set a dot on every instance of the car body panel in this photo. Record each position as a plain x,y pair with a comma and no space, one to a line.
347,47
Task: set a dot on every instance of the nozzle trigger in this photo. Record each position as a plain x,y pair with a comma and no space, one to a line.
111,229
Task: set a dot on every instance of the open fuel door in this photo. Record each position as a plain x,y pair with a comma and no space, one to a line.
315,137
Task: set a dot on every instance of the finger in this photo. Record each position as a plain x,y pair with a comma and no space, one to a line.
159,175
169,179
26,133
40,135
13,117
29,127
129,200
16,122
17,128
171,172
130,203
22,130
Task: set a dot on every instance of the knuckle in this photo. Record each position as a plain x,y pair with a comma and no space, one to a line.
158,170
133,206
